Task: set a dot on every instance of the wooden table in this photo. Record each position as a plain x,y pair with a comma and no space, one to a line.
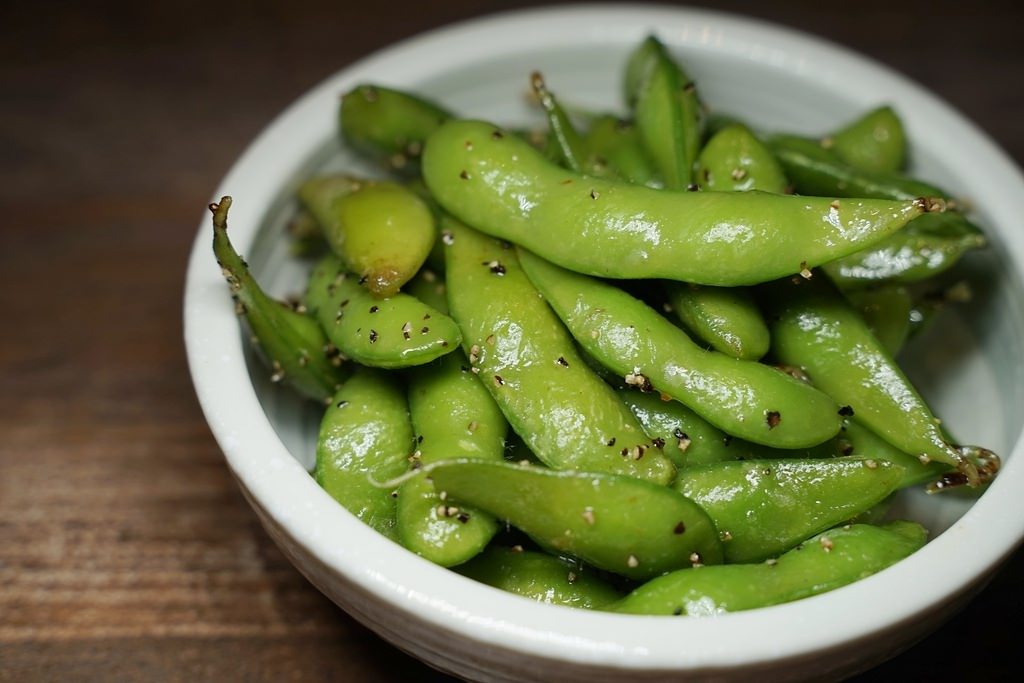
126,551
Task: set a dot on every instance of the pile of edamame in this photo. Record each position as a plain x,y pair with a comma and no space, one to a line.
641,363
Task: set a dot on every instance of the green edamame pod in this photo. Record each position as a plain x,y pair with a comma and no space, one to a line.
291,342
734,160
429,287
726,318
389,124
540,577
886,310
622,524
744,398
568,417
690,440
927,246
454,417
506,189
816,329
382,231
873,142
764,507
365,434
858,439
816,171
666,111
614,148
829,560
397,332
564,135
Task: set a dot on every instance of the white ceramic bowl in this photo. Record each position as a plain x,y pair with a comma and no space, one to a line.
776,78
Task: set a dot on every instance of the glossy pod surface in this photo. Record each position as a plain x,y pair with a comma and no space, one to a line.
832,559
540,577
734,160
621,524
396,332
365,434
454,417
503,187
873,142
816,329
726,318
291,342
564,412
744,398
764,507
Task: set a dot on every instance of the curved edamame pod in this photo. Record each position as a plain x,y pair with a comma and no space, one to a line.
566,139
396,332
291,342
365,434
505,188
389,124
764,507
622,524
540,577
829,560
873,142
726,318
744,398
816,329
454,417
666,111
734,160
927,246
566,415
382,231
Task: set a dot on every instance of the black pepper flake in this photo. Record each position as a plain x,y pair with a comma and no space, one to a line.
495,267
444,344
773,419
419,439
344,303
611,441
374,309
693,187
624,452
497,135
594,194
342,404
373,336
677,612
846,411
499,381
658,442
678,433
424,329
562,361
679,529
462,517
464,175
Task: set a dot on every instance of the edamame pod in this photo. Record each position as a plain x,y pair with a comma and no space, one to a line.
666,111
503,187
365,434
858,439
454,417
726,318
734,160
389,124
291,342
564,135
540,577
382,231
874,142
929,245
744,398
429,287
396,332
829,560
613,144
816,329
886,310
566,415
622,524
764,507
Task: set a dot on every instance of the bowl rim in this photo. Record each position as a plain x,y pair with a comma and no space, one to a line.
420,590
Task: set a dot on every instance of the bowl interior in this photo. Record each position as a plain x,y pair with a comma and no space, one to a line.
974,352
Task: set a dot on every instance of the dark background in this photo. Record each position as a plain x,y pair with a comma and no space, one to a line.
126,550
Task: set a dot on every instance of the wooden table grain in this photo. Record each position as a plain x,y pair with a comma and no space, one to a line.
126,550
